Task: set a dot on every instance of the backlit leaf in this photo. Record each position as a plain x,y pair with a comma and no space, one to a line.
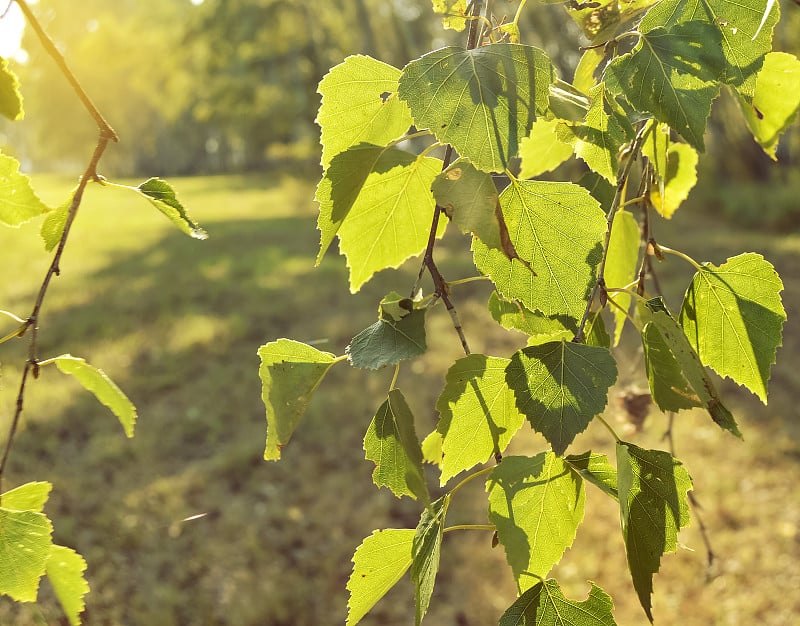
512,315
537,504
621,266
600,19
776,101
478,413
10,97
360,105
379,202
545,605
733,317
542,150
25,543
676,181
27,497
65,569
454,12
162,196
557,228
560,386
54,223
391,443
672,74
426,550
596,469
469,197
378,563
481,101
290,374
18,202
654,506
671,335
104,389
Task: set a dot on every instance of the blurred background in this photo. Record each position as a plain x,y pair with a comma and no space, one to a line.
186,524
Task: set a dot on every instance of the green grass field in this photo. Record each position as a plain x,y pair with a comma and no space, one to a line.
177,322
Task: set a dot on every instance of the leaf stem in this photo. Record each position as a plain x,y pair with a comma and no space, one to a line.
470,478
609,428
491,527
19,320
470,279
394,377
681,255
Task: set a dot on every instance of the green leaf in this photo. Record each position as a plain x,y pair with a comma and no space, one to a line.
378,563
27,497
733,317
379,202
776,101
425,551
389,341
600,19
391,443
557,229
65,569
600,136
481,101
621,265
585,73
18,202
454,12
691,369
104,389
545,605
512,315
360,105
162,196
25,543
741,35
290,374
54,223
596,469
542,150
536,504
560,386
654,506
10,96
676,181
469,198
432,448
595,332
673,75
478,413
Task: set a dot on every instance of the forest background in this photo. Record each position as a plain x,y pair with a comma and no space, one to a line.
224,92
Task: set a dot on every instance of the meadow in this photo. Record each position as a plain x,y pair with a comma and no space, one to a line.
187,524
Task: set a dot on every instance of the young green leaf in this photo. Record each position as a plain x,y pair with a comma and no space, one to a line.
598,138
621,266
290,374
545,605
64,570
27,497
673,74
676,181
654,506
379,202
481,101
560,386
104,389
557,229
742,35
541,329
542,150
478,413
425,551
537,504
392,444
10,96
360,105
454,12
387,342
469,198
776,101
25,543
733,317
378,563
54,222
162,196
596,469
679,395
18,202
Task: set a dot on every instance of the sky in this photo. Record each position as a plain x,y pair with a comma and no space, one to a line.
10,30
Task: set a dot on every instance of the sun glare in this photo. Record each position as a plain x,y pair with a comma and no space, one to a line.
11,26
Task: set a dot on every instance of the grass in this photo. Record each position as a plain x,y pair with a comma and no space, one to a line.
177,322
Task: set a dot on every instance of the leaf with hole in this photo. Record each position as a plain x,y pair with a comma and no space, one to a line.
392,444
545,605
290,373
560,386
378,564
104,389
481,101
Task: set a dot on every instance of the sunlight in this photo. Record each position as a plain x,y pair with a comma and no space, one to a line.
11,26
